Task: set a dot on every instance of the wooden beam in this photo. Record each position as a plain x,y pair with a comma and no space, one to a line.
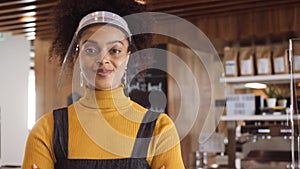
164,5
160,2
18,15
22,25
13,22
28,8
212,6
199,10
229,7
14,27
38,30
196,12
23,31
10,3
18,2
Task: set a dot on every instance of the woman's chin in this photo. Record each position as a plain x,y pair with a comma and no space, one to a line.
107,87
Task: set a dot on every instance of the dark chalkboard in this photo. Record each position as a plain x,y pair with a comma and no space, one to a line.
148,87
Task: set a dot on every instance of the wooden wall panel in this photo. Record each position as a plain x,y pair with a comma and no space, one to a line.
245,20
286,18
180,98
40,75
275,15
262,24
296,20
208,25
48,95
252,24
227,28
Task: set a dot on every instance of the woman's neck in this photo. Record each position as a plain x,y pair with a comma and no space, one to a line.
105,99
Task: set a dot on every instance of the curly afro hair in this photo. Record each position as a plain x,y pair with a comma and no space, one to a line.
68,13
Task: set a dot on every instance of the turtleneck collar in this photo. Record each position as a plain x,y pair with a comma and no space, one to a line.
105,99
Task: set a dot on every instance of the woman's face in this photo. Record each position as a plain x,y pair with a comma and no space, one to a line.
103,56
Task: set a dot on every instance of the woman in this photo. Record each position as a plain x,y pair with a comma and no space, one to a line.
104,129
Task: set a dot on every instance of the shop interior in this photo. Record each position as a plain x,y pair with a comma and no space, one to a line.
257,42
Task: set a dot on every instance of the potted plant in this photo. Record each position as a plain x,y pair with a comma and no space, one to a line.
282,94
271,94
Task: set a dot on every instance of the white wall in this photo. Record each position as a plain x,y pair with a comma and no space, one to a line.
14,68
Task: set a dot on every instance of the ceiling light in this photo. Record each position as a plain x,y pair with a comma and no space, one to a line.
30,34
32,54
28,1
255,85
141,1
29,14
30,7
30,25
28,19
32,29
30,37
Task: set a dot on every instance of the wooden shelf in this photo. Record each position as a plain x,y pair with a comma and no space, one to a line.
257,117
282,78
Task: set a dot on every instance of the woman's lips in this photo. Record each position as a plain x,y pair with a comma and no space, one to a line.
104,72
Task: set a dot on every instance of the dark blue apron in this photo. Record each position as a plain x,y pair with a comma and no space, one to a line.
136,161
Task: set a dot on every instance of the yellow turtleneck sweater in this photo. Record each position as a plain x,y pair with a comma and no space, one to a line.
103,125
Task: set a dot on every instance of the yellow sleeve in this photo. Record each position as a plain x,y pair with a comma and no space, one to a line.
166,145
39,149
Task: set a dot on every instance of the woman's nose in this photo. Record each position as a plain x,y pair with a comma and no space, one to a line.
102,59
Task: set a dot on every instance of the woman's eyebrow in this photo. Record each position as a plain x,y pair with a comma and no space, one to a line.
113,42
107,43
90,41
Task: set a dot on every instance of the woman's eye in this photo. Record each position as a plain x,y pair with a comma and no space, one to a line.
115,51
91,51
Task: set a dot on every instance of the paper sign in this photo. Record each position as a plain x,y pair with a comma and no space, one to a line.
240,104
215,143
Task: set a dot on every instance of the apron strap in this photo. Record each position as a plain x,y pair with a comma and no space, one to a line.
60,139
140,149
144,135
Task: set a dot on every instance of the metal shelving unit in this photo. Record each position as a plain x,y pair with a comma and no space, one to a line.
279,78
231,120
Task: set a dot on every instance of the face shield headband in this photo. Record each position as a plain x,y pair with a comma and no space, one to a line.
104,17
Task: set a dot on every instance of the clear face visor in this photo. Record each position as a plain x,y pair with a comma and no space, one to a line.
100,37
103,37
